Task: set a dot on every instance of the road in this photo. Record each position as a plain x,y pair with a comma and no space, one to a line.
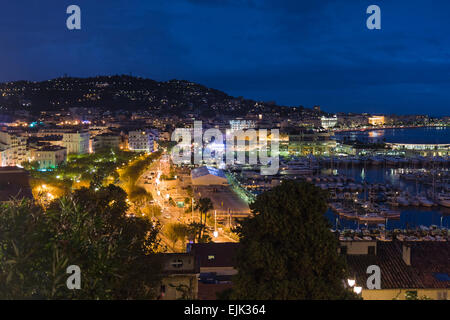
162,190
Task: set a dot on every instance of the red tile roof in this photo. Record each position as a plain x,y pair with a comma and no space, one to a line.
427,259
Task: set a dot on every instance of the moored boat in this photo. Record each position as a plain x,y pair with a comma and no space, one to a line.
424,201
443,200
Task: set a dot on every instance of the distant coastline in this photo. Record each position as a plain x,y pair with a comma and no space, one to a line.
432,135
389,127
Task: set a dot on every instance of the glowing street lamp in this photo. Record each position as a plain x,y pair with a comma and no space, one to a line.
357,290
351,282
215,223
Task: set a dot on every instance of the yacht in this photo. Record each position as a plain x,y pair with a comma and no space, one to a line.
402,201
443,200
424,201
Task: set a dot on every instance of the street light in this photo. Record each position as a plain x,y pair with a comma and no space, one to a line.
351,282
357,290
215,233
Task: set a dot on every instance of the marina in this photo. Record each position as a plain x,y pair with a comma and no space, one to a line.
392,189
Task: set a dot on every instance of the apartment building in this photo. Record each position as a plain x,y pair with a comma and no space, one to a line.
48,157
143,140
107,140
13,149
76,142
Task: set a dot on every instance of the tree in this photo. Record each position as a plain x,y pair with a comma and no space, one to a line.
30,165
152,211
172,236
287,250
412,295
189,191
87,228
176,232
140,196
204,205
197,232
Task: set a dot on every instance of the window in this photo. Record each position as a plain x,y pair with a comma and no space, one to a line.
177,263
211,257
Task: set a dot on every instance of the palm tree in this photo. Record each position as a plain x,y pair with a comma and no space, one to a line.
204,205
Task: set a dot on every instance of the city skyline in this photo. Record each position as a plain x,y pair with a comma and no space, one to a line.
291,53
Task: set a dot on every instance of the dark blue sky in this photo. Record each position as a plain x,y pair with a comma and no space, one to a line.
291,51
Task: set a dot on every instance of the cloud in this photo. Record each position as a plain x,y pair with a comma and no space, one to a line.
286,50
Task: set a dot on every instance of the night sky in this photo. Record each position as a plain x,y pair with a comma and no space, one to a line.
294,52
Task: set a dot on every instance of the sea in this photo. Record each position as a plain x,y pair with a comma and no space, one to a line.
428,135
411,217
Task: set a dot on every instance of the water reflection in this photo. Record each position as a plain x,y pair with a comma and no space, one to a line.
431,135
411,217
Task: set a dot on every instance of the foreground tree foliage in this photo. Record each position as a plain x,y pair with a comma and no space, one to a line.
89,229
287,250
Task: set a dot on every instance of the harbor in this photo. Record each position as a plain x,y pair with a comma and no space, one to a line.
373,189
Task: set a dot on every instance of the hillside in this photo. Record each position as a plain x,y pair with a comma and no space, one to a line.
127,93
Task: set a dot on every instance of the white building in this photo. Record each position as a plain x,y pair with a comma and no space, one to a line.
142,140
76,142
48,157
328,122
236,125
13,149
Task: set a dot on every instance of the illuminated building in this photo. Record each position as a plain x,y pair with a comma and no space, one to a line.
376,120
142,140
107,141
48,157
305,142
76,142
236,125
12,149
328,122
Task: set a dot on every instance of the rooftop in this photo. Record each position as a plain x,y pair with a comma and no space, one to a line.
213,254
14,183
430,265
203,171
